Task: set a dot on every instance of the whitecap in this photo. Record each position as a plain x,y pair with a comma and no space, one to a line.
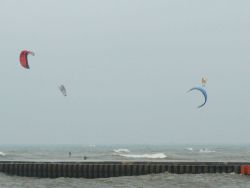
2,154
205,150
121,150
148,156
189,149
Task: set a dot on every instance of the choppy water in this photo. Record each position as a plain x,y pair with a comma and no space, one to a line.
148,181
190,153
127,152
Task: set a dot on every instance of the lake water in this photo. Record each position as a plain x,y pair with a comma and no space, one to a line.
129,152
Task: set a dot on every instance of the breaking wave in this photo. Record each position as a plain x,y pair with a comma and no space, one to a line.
121,150
189,149
147,156
2,154
205,150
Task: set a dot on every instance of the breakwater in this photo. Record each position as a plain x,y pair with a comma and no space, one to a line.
105,169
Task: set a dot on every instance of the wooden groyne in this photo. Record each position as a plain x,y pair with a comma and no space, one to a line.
116,168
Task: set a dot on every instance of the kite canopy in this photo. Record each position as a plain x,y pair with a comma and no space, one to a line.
203,91
24,58
63,90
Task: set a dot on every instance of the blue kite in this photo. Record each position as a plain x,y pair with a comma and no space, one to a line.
203,91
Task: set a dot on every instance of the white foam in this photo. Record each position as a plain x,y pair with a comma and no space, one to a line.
2,154
189,149
148,156
205,150
121,150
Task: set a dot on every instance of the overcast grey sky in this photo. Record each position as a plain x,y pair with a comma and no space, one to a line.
127,65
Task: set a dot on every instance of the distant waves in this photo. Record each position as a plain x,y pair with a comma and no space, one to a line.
115,153
127,154
145,156
202,150
2,154
205,150
121,150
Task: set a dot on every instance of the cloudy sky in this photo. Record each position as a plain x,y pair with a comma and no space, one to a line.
127,66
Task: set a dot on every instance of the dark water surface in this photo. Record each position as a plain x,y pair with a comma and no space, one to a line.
148,181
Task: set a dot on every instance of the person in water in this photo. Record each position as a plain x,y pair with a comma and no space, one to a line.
70,154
